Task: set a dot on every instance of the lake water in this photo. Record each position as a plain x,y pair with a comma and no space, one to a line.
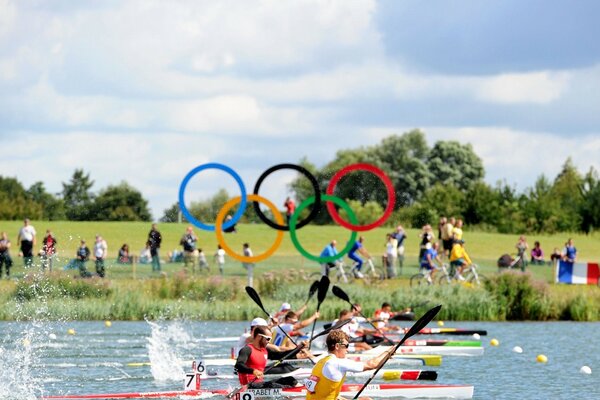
42,358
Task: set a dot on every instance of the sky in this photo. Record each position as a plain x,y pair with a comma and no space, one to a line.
144,91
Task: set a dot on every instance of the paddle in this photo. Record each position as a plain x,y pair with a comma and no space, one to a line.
287,356
338,292
254,296
420,324
322,293
311,292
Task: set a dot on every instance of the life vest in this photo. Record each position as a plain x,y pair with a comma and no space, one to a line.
319,387
257,360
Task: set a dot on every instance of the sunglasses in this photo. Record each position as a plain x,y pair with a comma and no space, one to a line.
267,338
345,345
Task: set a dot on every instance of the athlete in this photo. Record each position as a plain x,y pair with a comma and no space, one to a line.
291,325
327,378
355,333
353,254
382,316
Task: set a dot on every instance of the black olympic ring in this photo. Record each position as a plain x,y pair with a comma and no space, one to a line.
314,183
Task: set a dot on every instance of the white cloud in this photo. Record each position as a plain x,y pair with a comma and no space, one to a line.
536,87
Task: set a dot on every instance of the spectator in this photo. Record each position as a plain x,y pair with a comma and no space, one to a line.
556,256
202,263
82,255
569,253
5,259
27,239
457,232
290,207
537,255
426,240
220,258
48,250
231,229
188,241
146,254
155,238
447,233
100,253
391,253
400,236
124,257
249,266
443,222
522,247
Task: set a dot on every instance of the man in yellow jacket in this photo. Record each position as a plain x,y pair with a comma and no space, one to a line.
327,378
459,258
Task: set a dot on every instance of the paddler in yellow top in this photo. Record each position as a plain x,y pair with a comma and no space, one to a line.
459,258
327,377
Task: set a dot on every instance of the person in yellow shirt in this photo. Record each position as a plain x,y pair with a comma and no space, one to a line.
457,232
459,258
327,377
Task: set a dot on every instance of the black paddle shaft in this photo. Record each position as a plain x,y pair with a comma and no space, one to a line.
420,324
254,296
321,294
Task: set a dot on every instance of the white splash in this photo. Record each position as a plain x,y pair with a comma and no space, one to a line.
162,346
16,381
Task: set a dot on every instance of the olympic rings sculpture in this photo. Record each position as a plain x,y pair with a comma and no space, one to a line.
294,224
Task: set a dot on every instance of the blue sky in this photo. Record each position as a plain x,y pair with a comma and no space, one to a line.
144,91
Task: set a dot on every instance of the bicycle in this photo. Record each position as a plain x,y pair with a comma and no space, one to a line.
341,275
370,274
423,277
470,274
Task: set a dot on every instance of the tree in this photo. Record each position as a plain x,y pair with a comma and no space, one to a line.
120,203
15,203
171,214
77,196
454,164
52,208
444,200
567,189
590,205
540,208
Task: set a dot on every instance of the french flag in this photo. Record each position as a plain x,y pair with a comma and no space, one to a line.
577,273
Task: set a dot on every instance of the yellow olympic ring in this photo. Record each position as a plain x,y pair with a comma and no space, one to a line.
219,231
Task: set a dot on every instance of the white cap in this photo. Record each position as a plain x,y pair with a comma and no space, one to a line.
258,322
285,306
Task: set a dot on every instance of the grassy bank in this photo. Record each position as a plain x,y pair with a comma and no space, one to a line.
507,296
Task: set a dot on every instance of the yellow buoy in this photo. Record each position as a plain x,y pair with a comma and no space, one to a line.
541,358
26,342
71,331
107,324
494,342
440,323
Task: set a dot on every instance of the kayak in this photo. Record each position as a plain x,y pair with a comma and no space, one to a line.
385,374
401,391
441,350
431,360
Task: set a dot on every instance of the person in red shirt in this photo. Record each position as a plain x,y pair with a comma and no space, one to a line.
290,207
48,250
382,316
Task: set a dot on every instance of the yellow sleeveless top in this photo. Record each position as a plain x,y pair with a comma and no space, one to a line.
326,389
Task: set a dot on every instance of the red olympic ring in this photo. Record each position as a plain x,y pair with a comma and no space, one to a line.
390,192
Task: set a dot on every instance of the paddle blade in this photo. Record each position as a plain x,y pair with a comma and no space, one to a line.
323,289
421,323
256,298
338,292
313,289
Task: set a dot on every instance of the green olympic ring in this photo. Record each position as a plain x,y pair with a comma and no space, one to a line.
294,219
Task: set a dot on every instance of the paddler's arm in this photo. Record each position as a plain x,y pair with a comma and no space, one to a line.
374,362
306,322
240,364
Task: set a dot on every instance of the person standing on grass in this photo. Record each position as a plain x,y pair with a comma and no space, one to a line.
391,253
100,253
290,207
188,241
5,259
400,236
82,255
447,230
48,250
220,258
249,266
155,238
522,247
27,239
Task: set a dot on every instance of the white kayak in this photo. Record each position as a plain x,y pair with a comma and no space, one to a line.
385,374
441,350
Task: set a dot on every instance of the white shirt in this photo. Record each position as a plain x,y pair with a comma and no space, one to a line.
280,336
27,233
221,256
100,249
392,248
335,368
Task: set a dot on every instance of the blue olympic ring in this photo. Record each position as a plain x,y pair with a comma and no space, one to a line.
190,217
